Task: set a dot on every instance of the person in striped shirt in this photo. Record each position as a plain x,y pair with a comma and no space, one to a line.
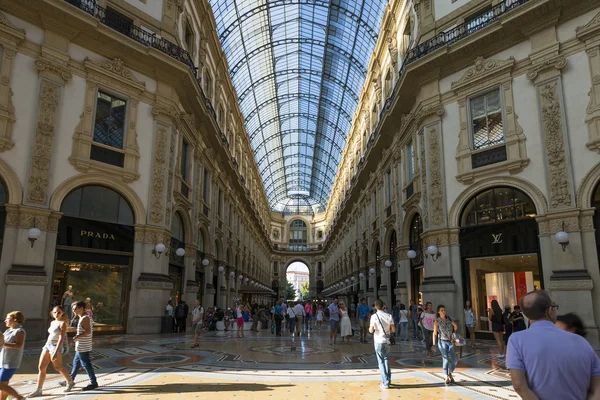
83,346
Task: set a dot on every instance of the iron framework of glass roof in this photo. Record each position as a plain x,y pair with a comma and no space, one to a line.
298,67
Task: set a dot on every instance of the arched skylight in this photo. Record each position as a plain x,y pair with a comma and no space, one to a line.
298,67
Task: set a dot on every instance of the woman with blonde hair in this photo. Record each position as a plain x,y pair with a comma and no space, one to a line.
53,350
12,343
345,324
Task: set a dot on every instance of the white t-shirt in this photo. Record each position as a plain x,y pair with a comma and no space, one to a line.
299,310
197,313
403,316
239,312
428,320
383,323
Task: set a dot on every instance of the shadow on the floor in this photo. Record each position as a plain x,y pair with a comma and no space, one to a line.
502,384
190,388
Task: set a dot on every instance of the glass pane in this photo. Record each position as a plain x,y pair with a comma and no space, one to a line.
495,128
470,214
524,207
200,241
504,204
485,208
109,128
99,203
493,102
125,213
72,203
478,107
177,228
3,194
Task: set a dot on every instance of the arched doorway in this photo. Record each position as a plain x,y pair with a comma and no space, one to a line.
94,254
500,250
176,263
298,235
415,243
297,277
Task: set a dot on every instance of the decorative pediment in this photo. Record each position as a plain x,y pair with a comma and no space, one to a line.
589,30
483,70
4,21
116,70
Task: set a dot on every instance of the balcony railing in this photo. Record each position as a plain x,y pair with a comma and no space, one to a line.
298,248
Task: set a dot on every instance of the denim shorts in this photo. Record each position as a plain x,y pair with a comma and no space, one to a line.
6,374
50,347
333,324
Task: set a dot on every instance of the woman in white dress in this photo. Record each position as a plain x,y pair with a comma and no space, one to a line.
345,324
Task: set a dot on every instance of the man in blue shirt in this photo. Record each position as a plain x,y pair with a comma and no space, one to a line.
362,316
546,362
334,320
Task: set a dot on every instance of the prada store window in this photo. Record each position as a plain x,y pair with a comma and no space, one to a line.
94,255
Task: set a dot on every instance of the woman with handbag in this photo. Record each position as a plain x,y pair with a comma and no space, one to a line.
443,330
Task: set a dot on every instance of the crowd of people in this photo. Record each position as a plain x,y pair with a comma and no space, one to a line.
546,354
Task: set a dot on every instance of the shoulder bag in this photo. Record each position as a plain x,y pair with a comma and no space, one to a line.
390,338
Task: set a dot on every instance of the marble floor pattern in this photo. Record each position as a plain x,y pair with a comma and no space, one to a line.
262,366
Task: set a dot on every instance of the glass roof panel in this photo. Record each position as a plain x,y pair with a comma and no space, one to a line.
298,67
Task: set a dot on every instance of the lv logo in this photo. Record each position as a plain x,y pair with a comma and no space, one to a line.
497,238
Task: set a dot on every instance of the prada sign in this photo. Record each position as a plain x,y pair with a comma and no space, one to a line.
98,235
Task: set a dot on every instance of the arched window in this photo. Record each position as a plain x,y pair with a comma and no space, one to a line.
177,228
98,203
200,241
500,204
298,235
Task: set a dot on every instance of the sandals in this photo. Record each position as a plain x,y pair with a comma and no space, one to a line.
448,379
451,377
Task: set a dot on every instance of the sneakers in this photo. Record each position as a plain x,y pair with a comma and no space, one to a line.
62,383
69,386
37,393
500,355
382,386
91,386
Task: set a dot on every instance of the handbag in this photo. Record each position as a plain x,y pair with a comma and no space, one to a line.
458,340
391,339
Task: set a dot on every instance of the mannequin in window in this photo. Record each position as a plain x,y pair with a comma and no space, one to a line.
67,300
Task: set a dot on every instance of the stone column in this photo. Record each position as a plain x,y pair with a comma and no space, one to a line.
208,298
372,293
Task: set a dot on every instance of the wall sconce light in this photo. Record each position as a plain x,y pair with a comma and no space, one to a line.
232,274
353,279
361,275
246,280
433,252
34,234
221,269
161,248
158,250
347,281
372,271
240,277
205,262
562,237
411,254
388,263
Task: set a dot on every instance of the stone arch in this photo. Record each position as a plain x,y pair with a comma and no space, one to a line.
587,187
388,235
187,223
99,180
13,186
404,239
538,198
302,260
374,248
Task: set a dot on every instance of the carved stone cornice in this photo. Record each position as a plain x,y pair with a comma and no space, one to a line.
116,70
46,67
482,71
591,30
557,62
5,23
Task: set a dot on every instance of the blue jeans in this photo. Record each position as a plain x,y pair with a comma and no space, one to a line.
403,329
382,350
83,360
447,351
291,324
415,329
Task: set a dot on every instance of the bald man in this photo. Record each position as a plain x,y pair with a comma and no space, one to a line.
546,362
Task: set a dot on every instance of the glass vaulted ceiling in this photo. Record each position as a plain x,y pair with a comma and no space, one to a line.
298,67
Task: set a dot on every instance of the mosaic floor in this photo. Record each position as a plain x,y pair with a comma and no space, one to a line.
262,366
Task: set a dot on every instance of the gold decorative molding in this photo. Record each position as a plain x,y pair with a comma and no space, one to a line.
39,171
159,175
554,141
47,67
481,71
116,70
